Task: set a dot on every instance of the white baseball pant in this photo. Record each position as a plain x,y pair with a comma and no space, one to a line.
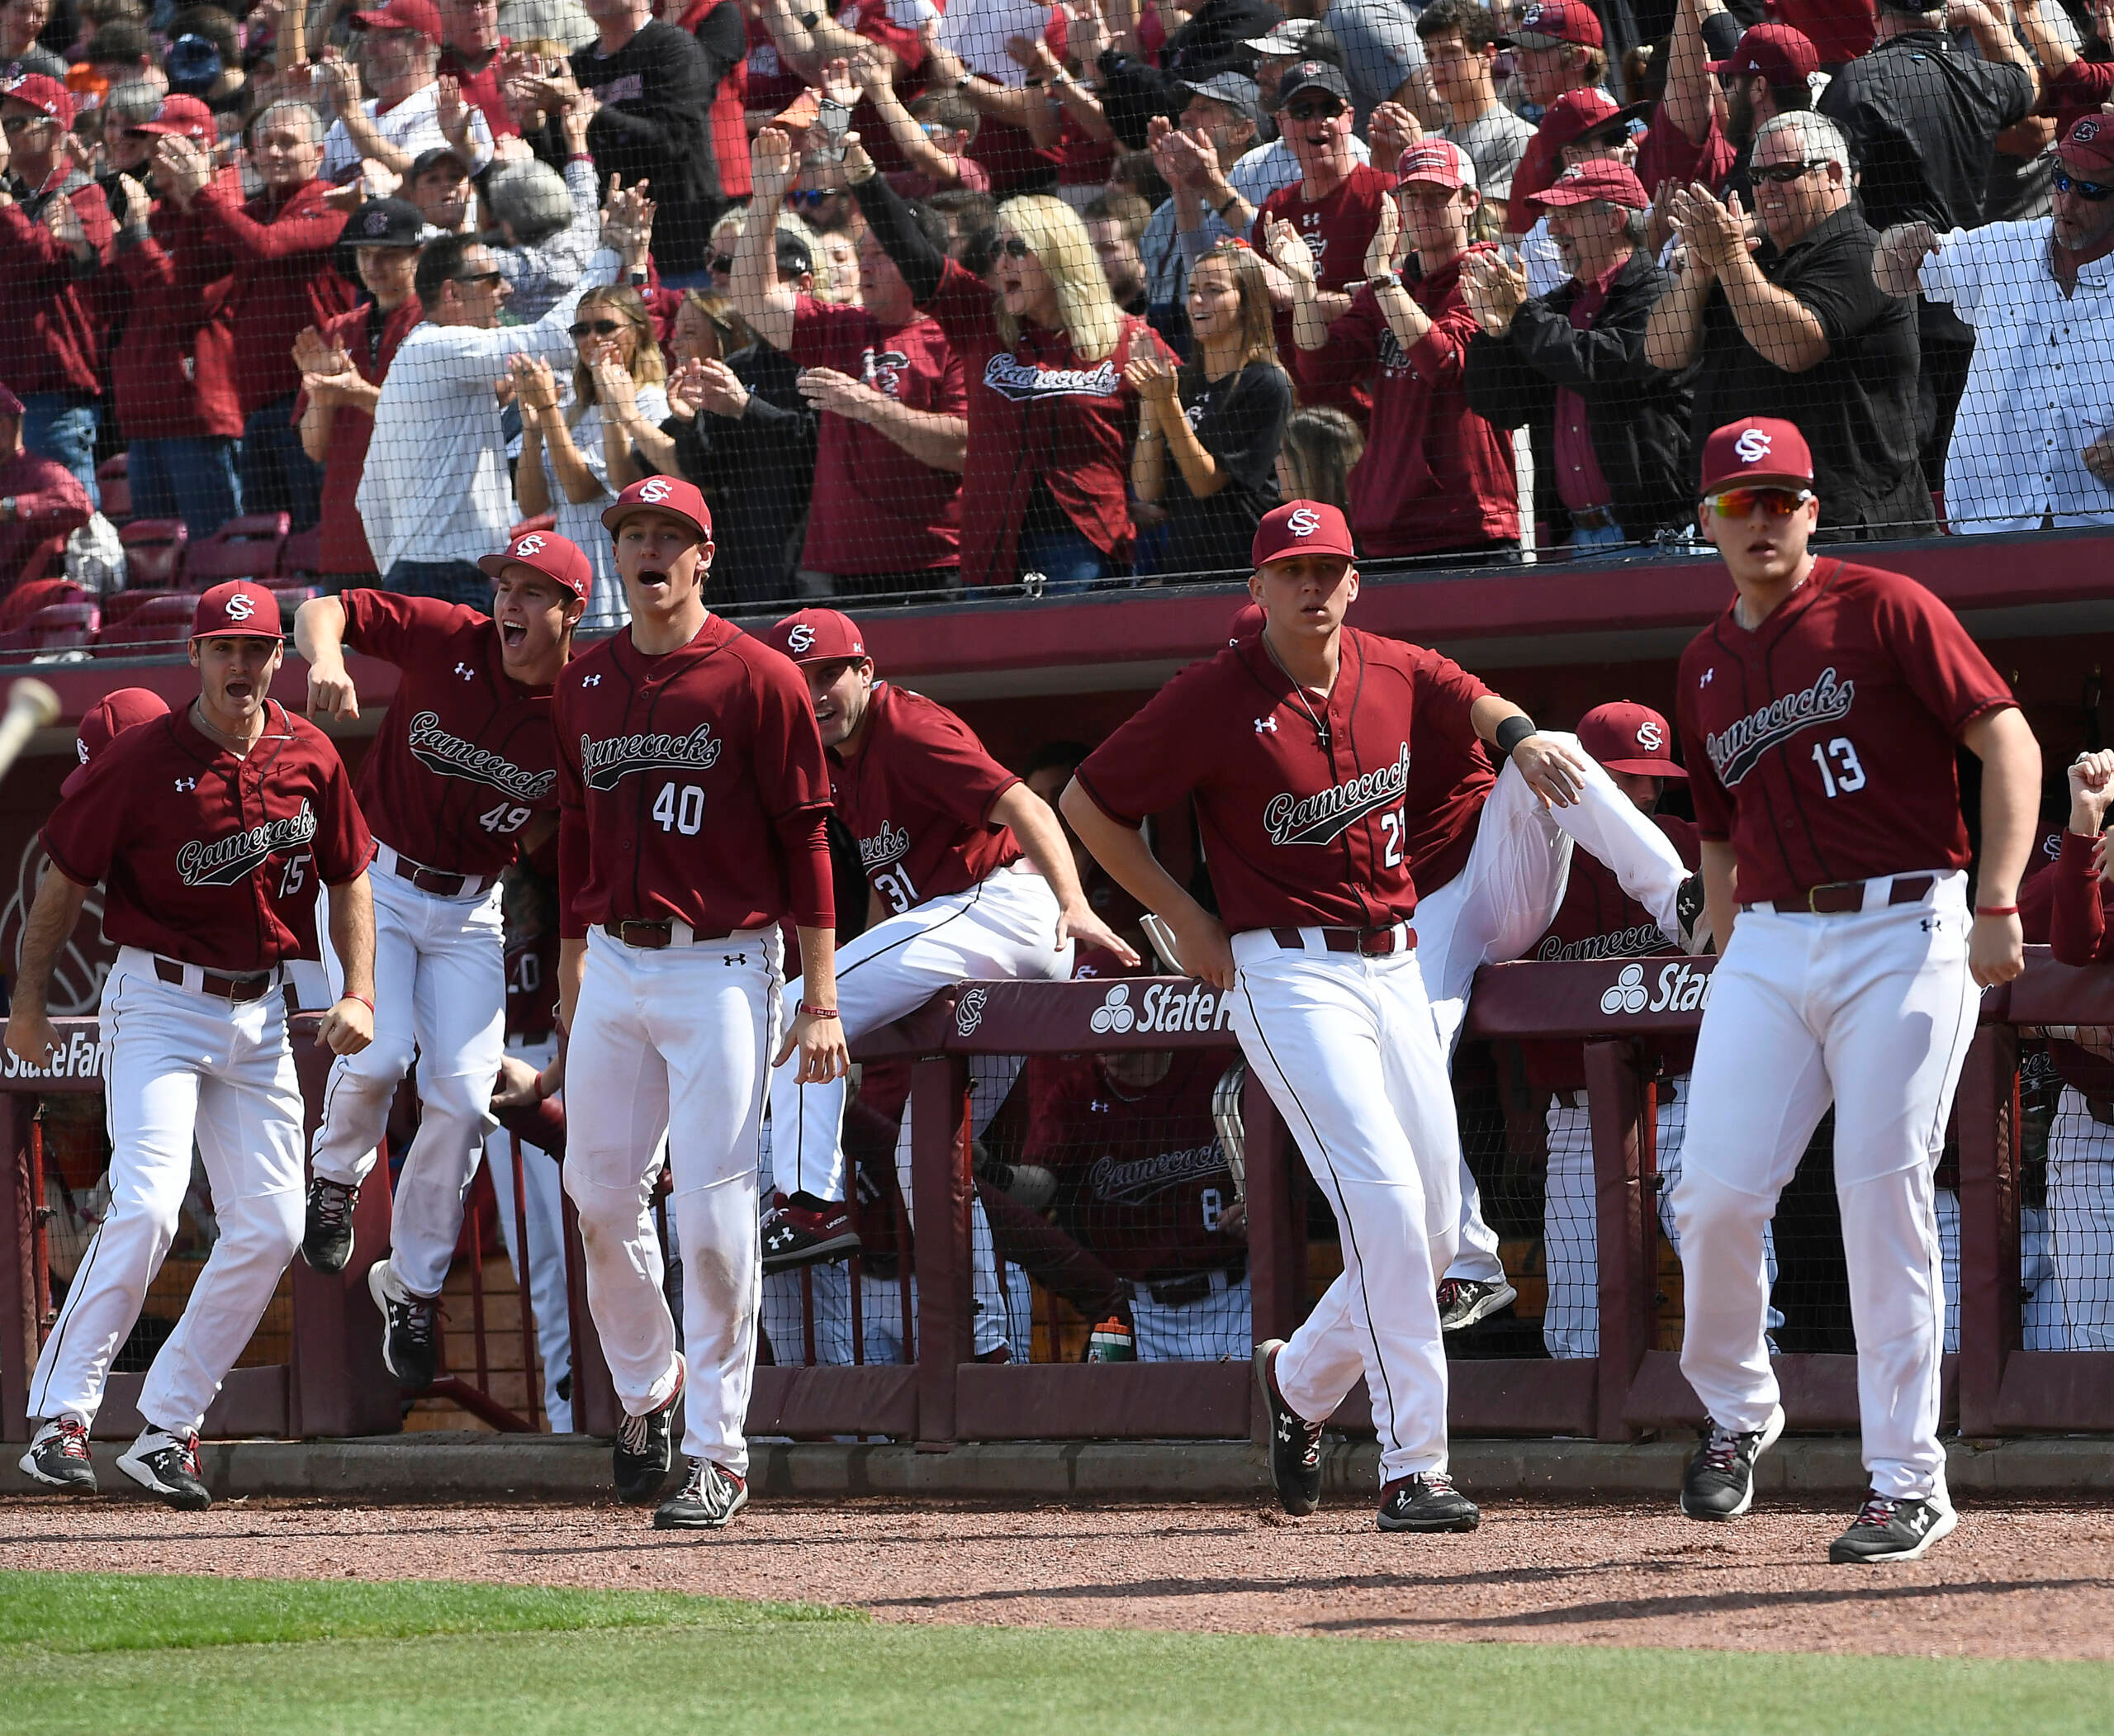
1881,1000
1215,1328
176,1062
546,1274
1504,900
439,988
2081,1220
675,1043
1003,1316
1348,1051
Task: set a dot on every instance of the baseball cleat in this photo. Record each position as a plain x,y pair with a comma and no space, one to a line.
1719,1480
326,1236
643,1449
706,1502
1427,1503
1889,1528
166,1464
410,1349
1464,1301
801,1235
59,1456
1295,1443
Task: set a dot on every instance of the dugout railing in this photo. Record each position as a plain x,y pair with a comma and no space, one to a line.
1624,1014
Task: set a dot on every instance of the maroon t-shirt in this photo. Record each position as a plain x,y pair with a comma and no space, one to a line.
464,754
918,795
1336,228
532,986
371,348
1667,154
1297,831
691,786
1821,744
876,507
206,856
484,89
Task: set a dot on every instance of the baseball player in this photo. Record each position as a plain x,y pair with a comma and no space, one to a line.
976,879
1297,746
208,831
464,763
1820,715
693,817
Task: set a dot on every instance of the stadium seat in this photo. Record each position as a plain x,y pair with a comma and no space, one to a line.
245,548
302,556
113,482
25,600
56,627
157,620
154,552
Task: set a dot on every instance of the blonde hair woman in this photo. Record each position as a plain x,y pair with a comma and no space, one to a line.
1221,418
577,456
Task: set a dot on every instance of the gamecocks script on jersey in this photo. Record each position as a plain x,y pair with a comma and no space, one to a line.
450,756
1739,748
1127,1180
1020,381
225,860
885,848
606,763
1323,819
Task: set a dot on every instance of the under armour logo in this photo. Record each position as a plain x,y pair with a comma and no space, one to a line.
732,958
240,608
801,638
592,681
1707,674
1752,446
466,672
1098,1108
533,543
655,491
1268,725
1304,522
1651,736
185,785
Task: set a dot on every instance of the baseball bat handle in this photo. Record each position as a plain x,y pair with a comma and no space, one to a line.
31,706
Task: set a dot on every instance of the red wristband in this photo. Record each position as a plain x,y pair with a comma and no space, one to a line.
1995,910
349,996
807,1011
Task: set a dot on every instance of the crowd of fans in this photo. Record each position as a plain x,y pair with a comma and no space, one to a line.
930,299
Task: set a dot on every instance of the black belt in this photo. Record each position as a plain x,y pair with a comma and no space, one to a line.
1370,942
437,883
1841,898
1178,1292
245,985
651,935
1595,518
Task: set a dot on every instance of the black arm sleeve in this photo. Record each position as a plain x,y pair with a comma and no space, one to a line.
923,264
725,39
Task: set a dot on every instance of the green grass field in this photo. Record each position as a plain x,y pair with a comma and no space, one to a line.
109,1653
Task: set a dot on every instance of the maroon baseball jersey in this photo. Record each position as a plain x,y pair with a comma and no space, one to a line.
1142,1177
1298,827
464,754
1821,744
207,857
918,795
691,786
532,986
1336,228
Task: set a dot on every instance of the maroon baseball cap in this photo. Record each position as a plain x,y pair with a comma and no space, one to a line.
1438,162
46,95
552,555
421,16
111,716
1625,736
1602,178
1777,52
1301,527
1578,112
1247,620
237,610
2088,146
185,116
672,495
1755,450
1553,22
817,636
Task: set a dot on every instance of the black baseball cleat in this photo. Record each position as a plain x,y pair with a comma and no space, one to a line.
58,1457
410,1346
708,1502
167,1463
1887,1527
1295,1443
1719,1480
643,1450
1428,1502
1464,1301
802,1231
326,1236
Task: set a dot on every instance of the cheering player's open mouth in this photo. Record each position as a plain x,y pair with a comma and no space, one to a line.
513,633
651,579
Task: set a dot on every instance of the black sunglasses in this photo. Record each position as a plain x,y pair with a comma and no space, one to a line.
1326,109
2089,191
484,278
1783,174
600,328
721,263
1013,248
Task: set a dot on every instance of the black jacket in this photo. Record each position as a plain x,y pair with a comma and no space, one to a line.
1638,417
1215,40
756,472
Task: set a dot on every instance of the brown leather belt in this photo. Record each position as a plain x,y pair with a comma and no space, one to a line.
1594,518
439,884
1370,942
247,985
1842,898
650,936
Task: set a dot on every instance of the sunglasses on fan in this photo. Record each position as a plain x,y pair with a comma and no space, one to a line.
1775,503
598,328
2091,191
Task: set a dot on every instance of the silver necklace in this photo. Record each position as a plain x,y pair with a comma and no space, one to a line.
1320,726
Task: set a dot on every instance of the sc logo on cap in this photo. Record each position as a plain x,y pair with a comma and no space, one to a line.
1752,446
801,638
1650,736
656,490
1531,17
533,543
1304,522
240,608
2085,131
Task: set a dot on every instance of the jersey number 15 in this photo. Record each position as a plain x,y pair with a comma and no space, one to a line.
1847,775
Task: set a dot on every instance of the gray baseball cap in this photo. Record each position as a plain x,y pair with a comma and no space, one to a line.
1236,90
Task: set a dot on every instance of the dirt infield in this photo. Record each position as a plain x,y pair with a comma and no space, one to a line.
2016,1581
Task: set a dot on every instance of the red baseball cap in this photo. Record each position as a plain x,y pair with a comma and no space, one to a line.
1439,162
1755,450
1602,178
1301,527
237,610
185,116
1625,736
1247,620
111,715
670,494
1777,52
817,636
1552,22
552,555
421,16
47,95
2088,146
1578,112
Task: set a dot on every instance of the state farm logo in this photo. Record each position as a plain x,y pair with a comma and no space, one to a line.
1681,989
968,1012
1164,1008
78,1057
801,638
1651,738
1115,1013
1752,446
240,608
1304,523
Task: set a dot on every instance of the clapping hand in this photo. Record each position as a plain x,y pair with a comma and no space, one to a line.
1086,32
838,393
1393,130
450,109
773,163
1493,290
1152,376
628,221
711,385
535,386
1288,248
1714,234
1379,252
315,354
614,388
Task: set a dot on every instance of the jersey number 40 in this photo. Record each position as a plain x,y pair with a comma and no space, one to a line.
679,808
